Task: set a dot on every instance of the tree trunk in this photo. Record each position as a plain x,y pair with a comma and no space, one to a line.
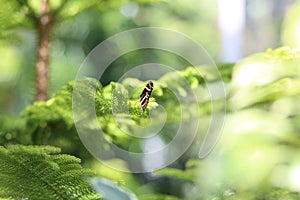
44,25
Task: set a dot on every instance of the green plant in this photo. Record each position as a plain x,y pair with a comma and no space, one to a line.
39,172
259,145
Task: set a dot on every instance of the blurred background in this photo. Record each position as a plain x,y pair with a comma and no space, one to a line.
257,156
228,30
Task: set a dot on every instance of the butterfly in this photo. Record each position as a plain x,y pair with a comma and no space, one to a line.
144,97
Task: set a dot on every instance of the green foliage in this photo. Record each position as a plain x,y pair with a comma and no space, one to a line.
257,154
267,76
255,158
191,169
26,12
225,70
39,172
52,122
290,36
12,11
11,129
34,172
157,197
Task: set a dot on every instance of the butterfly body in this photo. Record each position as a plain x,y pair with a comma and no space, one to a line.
144,97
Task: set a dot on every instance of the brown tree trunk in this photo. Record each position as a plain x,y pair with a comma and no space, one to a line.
44,26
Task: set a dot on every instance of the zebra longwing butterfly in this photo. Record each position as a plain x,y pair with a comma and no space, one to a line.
144,97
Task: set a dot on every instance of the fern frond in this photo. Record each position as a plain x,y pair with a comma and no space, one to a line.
38,173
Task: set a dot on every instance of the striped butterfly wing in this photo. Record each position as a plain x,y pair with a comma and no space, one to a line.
144,97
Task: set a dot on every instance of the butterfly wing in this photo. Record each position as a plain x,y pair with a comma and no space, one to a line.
144,97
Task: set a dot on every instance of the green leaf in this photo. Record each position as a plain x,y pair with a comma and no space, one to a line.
38,173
